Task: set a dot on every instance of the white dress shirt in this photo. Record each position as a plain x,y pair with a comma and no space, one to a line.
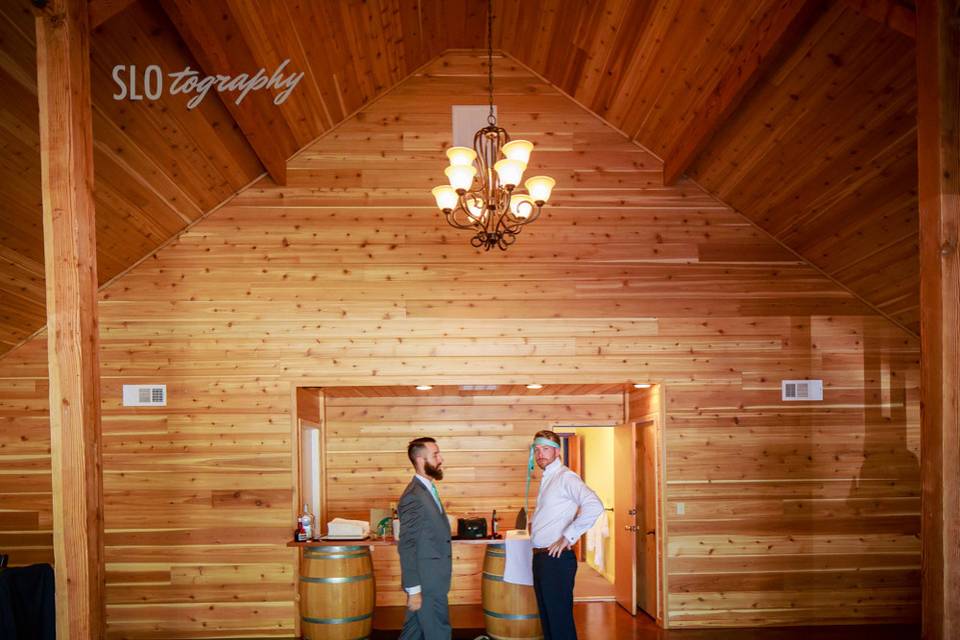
562,493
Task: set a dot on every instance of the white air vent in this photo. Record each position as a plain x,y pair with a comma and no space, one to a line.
801,390
467,120
478,387
144,395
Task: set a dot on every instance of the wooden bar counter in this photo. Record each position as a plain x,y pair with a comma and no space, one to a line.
341,581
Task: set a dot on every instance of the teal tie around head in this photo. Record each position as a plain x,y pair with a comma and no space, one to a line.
530,465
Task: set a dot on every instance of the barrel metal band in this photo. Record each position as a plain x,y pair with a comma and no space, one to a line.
334,556
353,547
511,616
336,620
496,554
492,576
338,580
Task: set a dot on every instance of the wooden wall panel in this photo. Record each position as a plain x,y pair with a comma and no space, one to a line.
318,284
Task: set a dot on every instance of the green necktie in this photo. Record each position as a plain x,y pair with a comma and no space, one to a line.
436,495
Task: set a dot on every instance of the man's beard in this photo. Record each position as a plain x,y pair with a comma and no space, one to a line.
434,472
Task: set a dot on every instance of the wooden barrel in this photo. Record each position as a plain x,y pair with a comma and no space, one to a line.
510,610
336,593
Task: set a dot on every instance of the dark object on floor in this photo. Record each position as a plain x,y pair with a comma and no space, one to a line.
27,603
458,634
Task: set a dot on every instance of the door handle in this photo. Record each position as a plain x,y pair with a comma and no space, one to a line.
652,532
631,527
632,512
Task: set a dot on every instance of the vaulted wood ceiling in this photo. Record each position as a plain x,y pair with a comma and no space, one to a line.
798,113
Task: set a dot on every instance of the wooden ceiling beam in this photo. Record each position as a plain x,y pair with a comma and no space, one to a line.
938,159
778,31
70,257
889,12
215,40
103,10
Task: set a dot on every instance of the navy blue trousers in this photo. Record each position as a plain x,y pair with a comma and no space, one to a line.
553,583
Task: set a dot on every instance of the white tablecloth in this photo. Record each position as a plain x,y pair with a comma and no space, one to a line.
519,565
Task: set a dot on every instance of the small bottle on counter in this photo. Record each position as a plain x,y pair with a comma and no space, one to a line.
306,522
300,534
494,533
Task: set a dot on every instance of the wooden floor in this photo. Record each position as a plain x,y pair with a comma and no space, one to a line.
591,585
607,621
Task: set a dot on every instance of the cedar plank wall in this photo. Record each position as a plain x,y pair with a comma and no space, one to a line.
484,441
795,513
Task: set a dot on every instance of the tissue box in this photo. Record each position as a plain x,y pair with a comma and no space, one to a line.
343,528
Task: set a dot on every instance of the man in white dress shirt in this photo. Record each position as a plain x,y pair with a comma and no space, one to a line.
566,508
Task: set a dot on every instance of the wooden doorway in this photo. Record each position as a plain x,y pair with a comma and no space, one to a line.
638,505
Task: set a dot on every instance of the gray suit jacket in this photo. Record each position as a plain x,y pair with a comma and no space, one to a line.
425,553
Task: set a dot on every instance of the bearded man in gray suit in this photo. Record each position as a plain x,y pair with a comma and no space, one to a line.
425,557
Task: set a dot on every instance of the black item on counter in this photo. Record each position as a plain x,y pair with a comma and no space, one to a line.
471,528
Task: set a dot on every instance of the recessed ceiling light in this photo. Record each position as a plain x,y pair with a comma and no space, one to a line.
424,387
642,386
534,385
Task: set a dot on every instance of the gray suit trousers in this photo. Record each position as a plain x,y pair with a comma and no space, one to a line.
430,622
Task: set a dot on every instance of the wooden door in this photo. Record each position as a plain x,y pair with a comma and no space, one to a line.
647,517
625,516
575,464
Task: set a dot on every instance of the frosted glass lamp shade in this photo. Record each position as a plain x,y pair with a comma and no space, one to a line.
522,205
510,172
518,150
460,176
445,196
461,156
540,187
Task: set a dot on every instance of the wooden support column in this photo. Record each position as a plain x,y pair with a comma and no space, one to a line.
938,80
66,153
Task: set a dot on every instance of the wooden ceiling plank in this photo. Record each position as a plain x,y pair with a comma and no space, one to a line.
209,124
782,28
260,24
66,133
266,130
684,54
890,13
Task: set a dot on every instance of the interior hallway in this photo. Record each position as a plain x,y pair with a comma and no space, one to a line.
591,585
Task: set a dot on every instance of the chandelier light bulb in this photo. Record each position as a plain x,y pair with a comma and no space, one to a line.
461,156
475,210
522,205
510,172
445,196
518,150
540,187
460,176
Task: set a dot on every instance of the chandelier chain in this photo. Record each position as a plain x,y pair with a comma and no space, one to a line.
491,119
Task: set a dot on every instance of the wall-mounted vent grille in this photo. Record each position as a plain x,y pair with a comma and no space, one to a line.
478,387
467,120
801,390
144,395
